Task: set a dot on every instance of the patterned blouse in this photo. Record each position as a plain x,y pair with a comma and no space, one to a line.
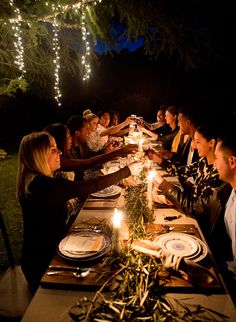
205,176
197,199
95,141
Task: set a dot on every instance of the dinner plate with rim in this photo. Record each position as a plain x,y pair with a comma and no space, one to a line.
182,244
178,244
107,192
73,246
202,254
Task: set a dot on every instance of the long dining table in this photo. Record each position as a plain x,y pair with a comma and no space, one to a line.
56,296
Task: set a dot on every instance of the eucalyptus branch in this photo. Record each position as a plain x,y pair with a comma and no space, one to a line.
101,289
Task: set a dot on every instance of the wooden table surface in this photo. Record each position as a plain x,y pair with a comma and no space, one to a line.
53,300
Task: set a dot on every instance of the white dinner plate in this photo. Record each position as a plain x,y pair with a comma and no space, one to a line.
74,245
203,251
107,192
182,244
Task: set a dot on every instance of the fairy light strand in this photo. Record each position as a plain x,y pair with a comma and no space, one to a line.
85,37
18,44
56,61
19,60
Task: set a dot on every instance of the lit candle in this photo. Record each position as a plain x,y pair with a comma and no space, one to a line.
117,216
150,177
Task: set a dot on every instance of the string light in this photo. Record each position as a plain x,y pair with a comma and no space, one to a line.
56,61
85,36
19,60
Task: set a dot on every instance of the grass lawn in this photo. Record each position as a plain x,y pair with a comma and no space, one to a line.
10,209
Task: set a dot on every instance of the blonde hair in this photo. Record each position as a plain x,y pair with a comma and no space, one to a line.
32,160
89,117
86,112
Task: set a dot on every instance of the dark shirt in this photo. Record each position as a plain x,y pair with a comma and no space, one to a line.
181,156
81,151
163,130
45,214
167,139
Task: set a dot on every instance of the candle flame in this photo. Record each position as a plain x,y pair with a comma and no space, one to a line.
151,175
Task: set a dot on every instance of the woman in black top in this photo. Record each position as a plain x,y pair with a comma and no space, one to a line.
166,135
43,200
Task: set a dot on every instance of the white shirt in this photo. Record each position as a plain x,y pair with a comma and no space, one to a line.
104,139
230,224
190,156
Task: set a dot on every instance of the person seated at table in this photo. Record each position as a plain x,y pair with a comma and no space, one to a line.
79,130
43,200
161,125
93,140
196,199
63,139
166,139
186,153
222,239
114,117
106,131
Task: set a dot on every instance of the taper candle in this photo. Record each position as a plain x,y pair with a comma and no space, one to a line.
150,177
117,217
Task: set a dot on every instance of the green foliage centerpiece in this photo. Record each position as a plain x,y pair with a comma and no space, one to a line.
137,211
135,290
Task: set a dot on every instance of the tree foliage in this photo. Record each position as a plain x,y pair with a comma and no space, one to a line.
189,31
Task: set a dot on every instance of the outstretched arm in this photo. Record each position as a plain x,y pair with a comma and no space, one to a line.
114,129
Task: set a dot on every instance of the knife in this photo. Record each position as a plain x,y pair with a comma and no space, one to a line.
71,269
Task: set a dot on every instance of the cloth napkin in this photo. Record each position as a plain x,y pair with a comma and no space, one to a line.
76,243
148,247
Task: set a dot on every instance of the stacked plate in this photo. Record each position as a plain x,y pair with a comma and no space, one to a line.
107,192
182,244
84,246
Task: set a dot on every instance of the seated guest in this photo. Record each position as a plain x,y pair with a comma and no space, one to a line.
186,152
171,116
196,200
161,125
105,130
223,237
93,140
61,134
43,200
114,118
79,130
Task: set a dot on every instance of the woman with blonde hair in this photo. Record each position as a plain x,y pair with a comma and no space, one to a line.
43,200
94,140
